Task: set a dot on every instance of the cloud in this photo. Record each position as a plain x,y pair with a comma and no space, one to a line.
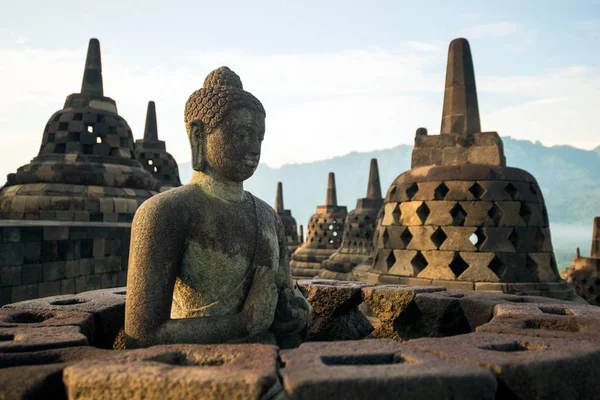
496,30
17,38
318,104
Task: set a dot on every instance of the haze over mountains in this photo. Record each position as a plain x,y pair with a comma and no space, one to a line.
569,178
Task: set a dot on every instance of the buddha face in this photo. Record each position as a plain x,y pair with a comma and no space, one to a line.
233,147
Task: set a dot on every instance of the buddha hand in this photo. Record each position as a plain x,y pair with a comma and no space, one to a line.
259,308
291,314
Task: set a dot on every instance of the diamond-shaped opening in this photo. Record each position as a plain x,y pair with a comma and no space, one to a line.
458,215
478,238
406,237
539,238
390,260
441,191
533,190
597,282
511,190
458,265
423,212
497,267
525,212
392,191
412,190
591,290
396,214
495,214
419,263
438,237
531,265
477,190
513,238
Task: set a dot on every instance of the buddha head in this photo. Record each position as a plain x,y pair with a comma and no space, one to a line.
226,126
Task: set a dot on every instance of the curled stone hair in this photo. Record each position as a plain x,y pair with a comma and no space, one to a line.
222,93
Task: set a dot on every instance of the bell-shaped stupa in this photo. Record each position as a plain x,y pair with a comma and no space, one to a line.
152,153
323,235
289,222
584,272
359,228
460,217
86,169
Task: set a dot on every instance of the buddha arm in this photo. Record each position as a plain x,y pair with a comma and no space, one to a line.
157,246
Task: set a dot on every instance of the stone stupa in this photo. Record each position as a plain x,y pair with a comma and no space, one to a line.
86,169
460,217
323,235
584,273
152,153
357,240
289,222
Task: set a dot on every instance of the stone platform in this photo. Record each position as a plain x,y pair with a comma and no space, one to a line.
417,342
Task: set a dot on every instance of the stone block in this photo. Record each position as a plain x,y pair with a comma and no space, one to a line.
526,368
426,192
439,213
335,305
46,289
19,339
32,252
496,240
510,213
11,254
458,238
107,306
53,271
454,284
478,270
437,265
400,262
489,155
33,319
566,321
11,276
409,215
80,284
477,213
494,191
179,371
65,356
12,235
392,304
421,238
421,157
393,237
381,369
24,292
99,248
85,266
67,286
455,156
32,382
56,233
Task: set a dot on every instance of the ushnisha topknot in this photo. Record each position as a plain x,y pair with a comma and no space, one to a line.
222,92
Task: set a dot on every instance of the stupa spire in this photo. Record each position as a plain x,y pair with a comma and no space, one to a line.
331,199
460,114
92,74
374,186
279,197
151,129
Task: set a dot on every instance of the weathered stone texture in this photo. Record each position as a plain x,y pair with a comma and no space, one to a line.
380,368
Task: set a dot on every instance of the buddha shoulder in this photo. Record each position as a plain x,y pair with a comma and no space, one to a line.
172,207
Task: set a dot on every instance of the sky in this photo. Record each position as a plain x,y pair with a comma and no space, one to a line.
334,77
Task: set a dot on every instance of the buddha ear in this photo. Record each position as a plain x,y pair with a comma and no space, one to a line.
198,144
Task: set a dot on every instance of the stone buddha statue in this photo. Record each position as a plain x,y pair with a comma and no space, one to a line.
208,261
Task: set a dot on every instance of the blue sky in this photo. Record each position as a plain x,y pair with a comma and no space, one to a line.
336,77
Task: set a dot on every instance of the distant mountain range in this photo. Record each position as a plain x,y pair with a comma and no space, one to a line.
569,178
